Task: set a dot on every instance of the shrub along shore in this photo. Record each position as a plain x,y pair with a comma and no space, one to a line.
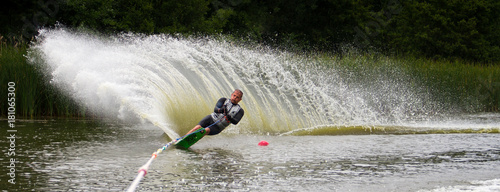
34,96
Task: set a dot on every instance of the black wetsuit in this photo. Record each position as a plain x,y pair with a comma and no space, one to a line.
216,120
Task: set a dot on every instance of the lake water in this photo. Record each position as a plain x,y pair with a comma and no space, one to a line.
83,155
332,124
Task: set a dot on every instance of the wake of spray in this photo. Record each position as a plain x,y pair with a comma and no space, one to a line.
174,82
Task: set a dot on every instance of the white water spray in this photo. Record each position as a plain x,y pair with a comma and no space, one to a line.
174,82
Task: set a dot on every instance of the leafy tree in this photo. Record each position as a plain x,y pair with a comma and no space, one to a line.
242,17
322,23
180,16
449,29
110,15
467,30
24,17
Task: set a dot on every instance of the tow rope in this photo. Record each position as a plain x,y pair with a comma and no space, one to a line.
144,169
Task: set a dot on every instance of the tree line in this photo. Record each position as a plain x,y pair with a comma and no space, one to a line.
441,29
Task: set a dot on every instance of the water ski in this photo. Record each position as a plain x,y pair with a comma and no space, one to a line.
188,140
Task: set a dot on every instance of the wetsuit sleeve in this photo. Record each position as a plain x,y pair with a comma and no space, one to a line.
236,119
219,106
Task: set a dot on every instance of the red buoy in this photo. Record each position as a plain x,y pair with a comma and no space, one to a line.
263,143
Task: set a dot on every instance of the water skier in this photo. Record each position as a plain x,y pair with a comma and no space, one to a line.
226,112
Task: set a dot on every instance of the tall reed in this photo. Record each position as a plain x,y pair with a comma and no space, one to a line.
472,86
34,96
461,85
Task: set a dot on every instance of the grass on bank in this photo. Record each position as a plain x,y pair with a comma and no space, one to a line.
461,85
475,88
34,96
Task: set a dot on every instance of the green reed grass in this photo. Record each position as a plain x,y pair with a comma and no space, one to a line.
466,86
472,86
35,97
459,85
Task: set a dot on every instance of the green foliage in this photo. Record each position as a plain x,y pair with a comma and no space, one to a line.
243,17
458,82
462,38
475,87
186,17
458,86
315,23
34,97
448,29
109,15
180,16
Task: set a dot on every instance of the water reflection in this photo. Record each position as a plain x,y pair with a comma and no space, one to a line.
221,169
293,167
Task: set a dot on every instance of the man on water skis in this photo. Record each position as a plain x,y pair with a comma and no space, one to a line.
226,112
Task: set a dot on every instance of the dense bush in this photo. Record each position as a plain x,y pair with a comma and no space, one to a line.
34,96
447,29
452,33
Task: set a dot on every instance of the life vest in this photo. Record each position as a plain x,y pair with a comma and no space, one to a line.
232,110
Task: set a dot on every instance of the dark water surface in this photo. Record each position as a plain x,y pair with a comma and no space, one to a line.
79,155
